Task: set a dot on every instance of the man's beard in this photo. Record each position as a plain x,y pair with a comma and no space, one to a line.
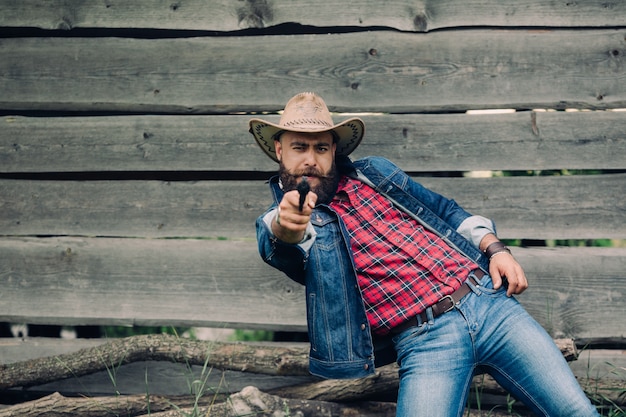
326,188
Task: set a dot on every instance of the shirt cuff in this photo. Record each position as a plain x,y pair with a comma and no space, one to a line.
474,229
309,233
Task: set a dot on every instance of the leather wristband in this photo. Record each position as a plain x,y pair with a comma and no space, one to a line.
496,247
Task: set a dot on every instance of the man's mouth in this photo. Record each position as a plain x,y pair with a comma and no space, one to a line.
312,179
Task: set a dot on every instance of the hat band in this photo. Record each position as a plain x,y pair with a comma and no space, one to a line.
304,123
277,135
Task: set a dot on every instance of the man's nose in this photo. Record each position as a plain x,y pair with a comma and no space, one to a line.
309,159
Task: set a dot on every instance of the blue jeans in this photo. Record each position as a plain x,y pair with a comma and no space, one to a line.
489,332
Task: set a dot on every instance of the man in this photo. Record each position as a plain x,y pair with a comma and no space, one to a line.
387,262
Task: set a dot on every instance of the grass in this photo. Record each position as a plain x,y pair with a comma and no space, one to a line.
605,406
198,385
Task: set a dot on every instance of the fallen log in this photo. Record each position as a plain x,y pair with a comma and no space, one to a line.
249,401
257,358
269,360
385,385
57,405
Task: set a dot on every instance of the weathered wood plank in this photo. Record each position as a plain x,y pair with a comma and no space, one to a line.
567,294
206,209
76,281
145,282
515,141
129,143
600,364
417,142
580,206
369,71
562,207
224,15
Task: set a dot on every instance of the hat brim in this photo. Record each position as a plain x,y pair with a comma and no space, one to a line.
349,134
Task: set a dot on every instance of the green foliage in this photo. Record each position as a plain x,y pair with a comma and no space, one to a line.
126,331
584,242
253,335
605,243
549,172
239,335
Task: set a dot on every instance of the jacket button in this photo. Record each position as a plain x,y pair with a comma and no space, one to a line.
366,367
363,326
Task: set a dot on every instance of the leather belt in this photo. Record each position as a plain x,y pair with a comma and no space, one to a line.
442,306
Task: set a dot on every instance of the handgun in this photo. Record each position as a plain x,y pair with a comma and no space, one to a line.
303,188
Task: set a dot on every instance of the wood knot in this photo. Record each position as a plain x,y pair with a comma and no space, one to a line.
420,23
254,14
65,24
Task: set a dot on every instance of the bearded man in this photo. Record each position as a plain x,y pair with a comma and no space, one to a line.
394,271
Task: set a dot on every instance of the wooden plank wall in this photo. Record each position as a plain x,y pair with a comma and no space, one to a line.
129,184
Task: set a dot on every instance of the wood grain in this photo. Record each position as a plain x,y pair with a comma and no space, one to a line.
225,284
416,142
574,207
359,72
224,15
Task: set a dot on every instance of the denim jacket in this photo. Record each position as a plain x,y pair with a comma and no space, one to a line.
342,345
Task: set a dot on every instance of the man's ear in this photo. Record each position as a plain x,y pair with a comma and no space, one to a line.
279,149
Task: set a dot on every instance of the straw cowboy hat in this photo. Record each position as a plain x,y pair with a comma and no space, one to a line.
307,112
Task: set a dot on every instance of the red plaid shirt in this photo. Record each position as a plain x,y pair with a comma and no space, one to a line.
402,268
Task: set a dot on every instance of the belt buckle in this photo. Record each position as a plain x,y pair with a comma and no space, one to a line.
451,301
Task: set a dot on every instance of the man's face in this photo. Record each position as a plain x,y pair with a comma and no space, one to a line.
311,155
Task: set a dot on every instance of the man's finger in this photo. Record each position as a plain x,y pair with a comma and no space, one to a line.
496,279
